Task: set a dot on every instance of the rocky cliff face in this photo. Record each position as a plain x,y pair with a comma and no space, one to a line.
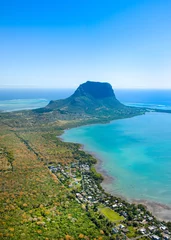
96,90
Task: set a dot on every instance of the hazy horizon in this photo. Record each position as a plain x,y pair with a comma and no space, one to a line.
74,88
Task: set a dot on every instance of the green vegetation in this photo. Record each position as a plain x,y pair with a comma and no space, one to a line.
111,215
6,159
91,101
50,189
97,176
132,232
33,204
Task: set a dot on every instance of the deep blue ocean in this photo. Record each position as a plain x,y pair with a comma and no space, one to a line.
135,152
145,98
18,99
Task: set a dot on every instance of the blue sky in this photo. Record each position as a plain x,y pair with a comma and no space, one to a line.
64,43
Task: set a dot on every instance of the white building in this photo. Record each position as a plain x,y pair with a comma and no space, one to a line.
155,237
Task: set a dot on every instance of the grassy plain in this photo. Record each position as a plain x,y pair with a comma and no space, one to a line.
111,215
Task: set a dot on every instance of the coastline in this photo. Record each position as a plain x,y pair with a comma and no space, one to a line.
161,211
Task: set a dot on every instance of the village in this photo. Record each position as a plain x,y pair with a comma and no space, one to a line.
130,220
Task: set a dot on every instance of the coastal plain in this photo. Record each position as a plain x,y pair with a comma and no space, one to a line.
51,190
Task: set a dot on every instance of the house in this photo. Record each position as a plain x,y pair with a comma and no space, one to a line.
144,222
121,226
142,231
125,230
151,228
155,237
163,228
78,195
124,214
114,205
54,170
89,197
165,236
115,230
150,218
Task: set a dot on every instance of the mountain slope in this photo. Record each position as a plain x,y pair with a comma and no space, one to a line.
92,101
89,98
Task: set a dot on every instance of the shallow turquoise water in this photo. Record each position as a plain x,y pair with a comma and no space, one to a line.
22,104
135,151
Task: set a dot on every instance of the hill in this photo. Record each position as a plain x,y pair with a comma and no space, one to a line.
92,102
91,99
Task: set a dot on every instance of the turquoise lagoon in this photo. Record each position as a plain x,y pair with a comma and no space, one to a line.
21,104
135,152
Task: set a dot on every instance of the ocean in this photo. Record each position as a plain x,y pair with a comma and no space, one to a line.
20,99
134,152
151,98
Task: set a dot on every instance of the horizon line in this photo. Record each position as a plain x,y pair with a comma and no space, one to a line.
72,88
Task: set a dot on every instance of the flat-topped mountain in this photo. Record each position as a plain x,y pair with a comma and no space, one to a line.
96,90
92,102
90,98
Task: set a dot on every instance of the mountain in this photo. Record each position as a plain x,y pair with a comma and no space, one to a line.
90,100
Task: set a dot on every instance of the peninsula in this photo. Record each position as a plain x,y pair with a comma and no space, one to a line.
50,189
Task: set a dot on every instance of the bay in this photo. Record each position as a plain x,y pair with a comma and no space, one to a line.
135,152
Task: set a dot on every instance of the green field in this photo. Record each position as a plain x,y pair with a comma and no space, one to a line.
111,215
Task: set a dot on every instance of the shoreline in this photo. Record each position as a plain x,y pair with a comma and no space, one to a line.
161,211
